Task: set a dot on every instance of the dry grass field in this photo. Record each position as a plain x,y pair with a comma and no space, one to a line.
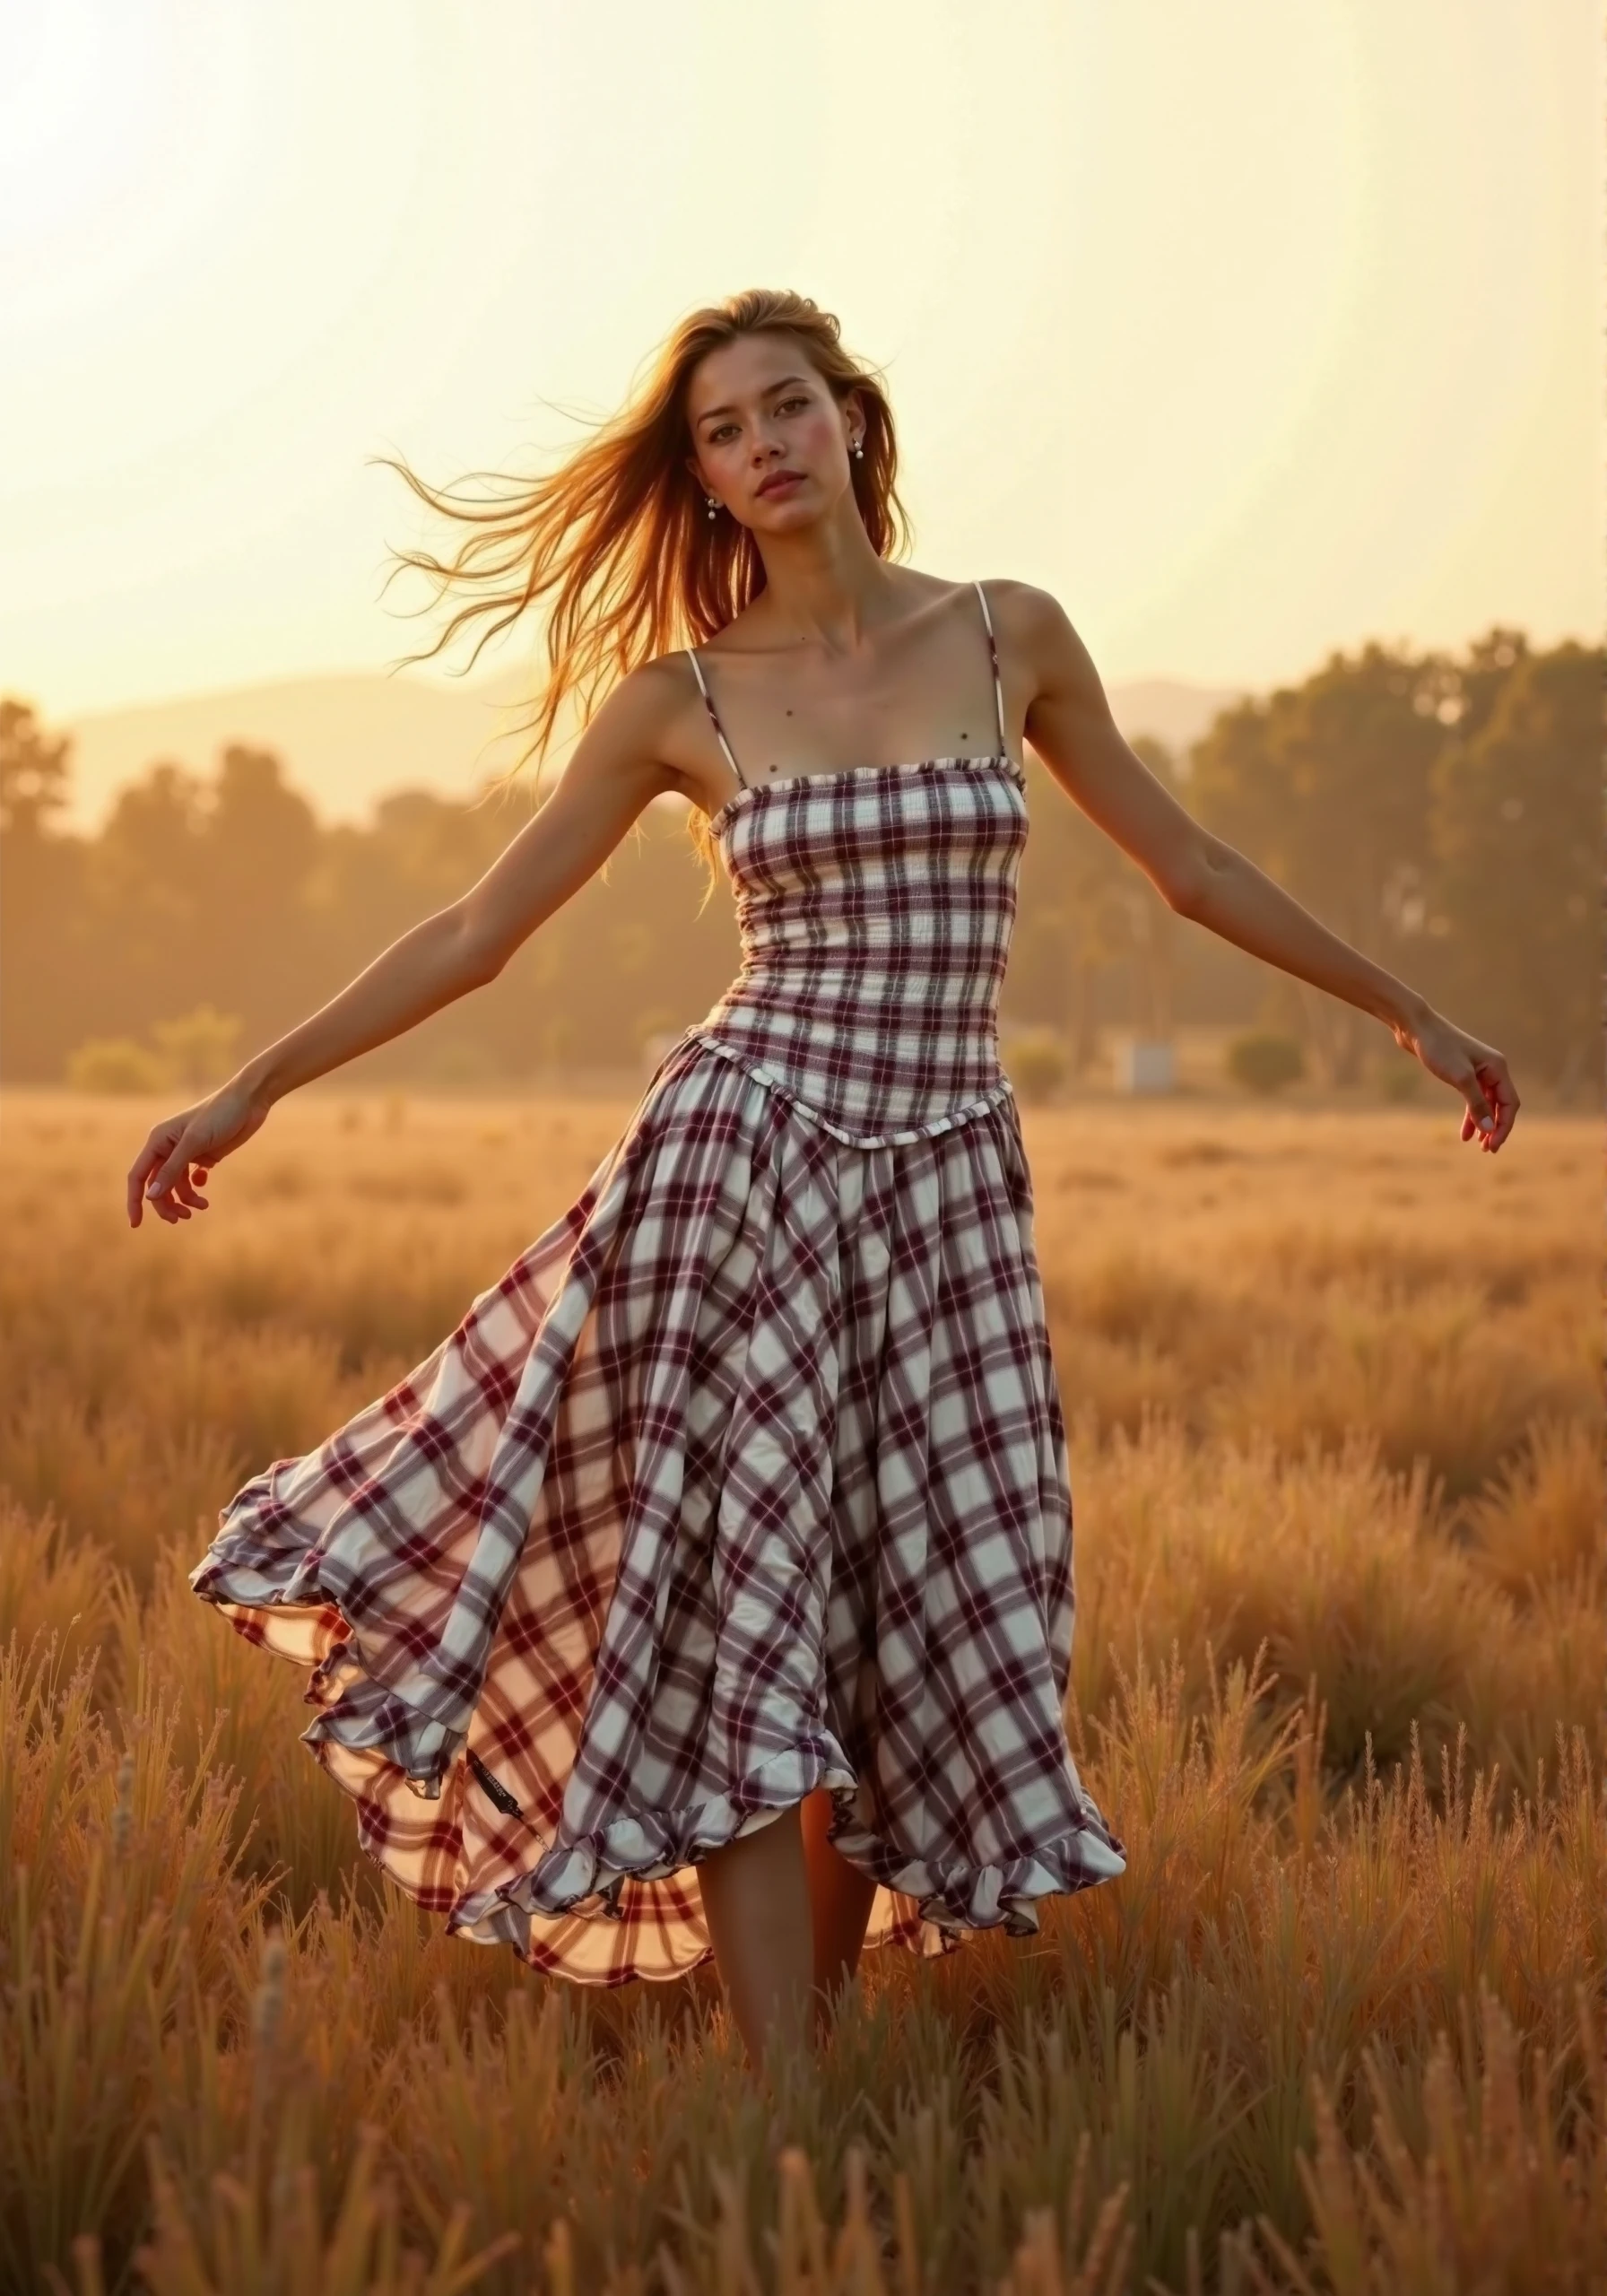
1334,1391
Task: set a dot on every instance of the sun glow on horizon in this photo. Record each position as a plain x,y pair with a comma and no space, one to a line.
1251,336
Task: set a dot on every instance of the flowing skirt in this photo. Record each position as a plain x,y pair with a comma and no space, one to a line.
748,1477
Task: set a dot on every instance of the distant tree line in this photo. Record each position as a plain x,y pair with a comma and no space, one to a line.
1442,814
1445,816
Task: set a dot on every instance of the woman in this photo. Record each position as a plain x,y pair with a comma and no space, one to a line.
710,1588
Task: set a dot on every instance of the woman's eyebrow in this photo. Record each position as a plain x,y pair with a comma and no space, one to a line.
709,411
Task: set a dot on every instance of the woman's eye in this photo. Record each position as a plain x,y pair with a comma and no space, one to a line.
720,429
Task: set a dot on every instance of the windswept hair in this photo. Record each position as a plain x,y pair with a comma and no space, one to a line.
620,531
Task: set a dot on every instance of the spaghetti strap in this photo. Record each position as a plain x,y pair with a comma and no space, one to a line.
993,656
714,716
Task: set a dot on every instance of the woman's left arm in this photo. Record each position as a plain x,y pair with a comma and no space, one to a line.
1069,724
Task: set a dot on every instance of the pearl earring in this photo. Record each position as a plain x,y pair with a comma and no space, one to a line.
859,448
713,501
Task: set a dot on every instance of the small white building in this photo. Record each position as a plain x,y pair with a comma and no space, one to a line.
1141,1065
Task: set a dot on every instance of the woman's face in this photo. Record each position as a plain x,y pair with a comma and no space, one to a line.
758,409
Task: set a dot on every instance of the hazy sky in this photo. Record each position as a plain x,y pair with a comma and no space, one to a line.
1250,330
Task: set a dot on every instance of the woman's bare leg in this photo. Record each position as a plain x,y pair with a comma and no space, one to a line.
840,1900
756,1900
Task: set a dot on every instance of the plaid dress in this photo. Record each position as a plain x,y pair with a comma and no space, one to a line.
750,1475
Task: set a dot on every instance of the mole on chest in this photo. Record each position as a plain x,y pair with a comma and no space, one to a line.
774,768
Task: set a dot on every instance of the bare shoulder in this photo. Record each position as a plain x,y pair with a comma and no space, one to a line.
655,692
667,717
1068,722
654,705
632,747
1047,657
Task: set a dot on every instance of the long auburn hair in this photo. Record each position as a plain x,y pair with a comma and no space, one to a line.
620,532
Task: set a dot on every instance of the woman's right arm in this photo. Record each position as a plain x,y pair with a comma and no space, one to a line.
618,765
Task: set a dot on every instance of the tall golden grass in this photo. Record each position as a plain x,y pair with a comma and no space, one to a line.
1340,1679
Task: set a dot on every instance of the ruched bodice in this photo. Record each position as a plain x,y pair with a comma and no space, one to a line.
875,906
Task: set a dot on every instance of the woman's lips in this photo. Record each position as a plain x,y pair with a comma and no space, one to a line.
781,485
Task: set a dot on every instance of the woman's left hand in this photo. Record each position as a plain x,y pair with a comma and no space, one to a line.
201,1137
1476,1070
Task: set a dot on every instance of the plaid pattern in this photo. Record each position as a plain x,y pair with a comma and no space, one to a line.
875,908
748,1477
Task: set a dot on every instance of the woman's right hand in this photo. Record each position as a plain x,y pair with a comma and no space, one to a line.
202,1136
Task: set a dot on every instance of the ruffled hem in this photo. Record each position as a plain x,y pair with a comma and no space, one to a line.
361,1713
955,1897
585,1879
444,1567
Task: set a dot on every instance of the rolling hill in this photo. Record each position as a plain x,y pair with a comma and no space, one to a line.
349,740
